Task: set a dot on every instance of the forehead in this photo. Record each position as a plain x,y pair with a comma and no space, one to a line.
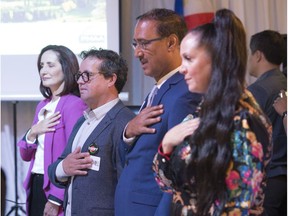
145,29
190,41
90,64
49,55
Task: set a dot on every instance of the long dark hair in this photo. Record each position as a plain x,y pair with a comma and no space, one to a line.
70,67
225,40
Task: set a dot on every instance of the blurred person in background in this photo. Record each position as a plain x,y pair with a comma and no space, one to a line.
268,52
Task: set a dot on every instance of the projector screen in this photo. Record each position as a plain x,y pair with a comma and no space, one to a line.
29,25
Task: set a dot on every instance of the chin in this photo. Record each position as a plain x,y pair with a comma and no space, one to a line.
191,89
195,90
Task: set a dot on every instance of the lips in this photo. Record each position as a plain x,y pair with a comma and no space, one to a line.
44,78
143,63
187,80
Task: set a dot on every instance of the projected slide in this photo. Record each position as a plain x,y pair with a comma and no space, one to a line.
29,25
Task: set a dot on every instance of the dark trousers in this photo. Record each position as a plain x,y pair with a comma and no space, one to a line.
275,203
37,198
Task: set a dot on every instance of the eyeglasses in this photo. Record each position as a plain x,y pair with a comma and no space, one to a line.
143,43
86,76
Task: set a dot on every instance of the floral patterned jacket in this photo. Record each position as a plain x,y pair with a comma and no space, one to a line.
246,177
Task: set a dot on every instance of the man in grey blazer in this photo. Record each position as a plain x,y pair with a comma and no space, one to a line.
90,165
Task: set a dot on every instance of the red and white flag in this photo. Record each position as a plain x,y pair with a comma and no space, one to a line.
195,12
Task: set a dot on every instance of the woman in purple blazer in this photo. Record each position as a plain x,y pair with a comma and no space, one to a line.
53,122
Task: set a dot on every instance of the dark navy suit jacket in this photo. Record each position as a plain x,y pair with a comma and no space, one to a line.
137,192
93,194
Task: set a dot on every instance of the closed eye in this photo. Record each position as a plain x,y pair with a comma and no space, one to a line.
186,57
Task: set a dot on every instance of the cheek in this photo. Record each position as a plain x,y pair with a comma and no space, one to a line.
61,75
200,79
206,76
57,74
61,78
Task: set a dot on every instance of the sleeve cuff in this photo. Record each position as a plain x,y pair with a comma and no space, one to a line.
160,152
284,115
128,141
60,174
55,200
28,141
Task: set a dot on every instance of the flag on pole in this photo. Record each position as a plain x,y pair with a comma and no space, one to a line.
195,12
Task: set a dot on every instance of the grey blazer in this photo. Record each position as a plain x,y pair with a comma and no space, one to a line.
93,194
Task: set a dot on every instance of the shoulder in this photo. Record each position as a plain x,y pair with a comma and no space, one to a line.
175,85
42,103
248,108
122,112
250,117
70,98
71,101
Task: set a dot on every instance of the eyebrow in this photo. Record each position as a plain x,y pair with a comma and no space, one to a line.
85,71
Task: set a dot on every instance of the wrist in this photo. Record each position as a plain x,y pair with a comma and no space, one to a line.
30,138
164,150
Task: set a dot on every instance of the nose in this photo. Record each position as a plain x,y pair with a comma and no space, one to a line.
42,71
138,52
182,70
80,81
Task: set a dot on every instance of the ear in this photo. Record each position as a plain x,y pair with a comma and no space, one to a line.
112,80
259,55
172,42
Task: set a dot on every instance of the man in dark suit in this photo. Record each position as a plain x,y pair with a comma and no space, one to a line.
267,54
157,38
90,165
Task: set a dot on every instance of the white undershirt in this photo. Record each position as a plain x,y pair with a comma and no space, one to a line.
45,112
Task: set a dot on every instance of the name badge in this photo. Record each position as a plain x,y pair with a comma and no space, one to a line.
96,163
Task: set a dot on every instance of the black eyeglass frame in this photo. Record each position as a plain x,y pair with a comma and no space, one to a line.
84,75
143,43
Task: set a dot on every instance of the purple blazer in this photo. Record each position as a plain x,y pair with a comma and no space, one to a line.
71,108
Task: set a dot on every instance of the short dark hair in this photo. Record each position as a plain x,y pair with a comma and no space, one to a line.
271,44
169,22
112,63
70,67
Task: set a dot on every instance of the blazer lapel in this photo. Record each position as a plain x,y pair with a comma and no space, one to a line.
106,121
144,104
96,132
177,77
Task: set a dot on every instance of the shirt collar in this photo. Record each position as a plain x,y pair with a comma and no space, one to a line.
167,76
99,112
